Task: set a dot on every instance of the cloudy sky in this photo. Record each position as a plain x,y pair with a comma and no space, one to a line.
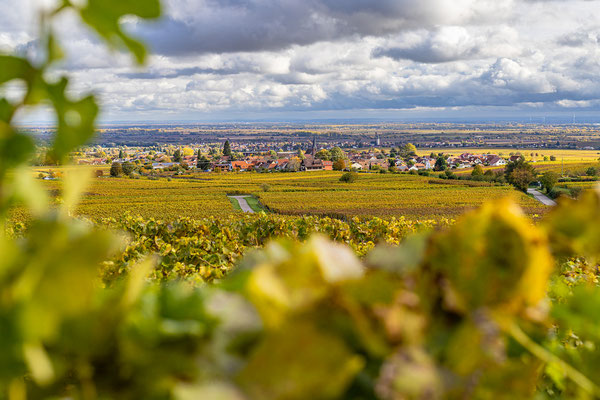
277,59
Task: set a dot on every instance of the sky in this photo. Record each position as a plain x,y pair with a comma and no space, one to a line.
228,60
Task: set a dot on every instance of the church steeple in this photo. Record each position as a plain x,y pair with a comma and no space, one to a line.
313,151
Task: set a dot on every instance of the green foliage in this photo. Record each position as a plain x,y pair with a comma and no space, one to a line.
477,170
116,169
207,249
519,173
549,180
440,163
127,168
177,156
104,17
337,154
349,177
592,171
227,149
323,154
203,163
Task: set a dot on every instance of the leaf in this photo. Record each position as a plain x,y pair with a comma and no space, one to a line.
12,67
492,257
213,391
75,181
28,190
574,226
75,119
38,363
104,17
15,149
299,362
402,259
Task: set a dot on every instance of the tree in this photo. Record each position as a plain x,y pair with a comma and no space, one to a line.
408,150
477,171
116,169
203,163
337,154
301,154
127,168
349,177
549,180
440,164
591,171
521,178
273,153
339,165
323,155
188,151
227,149
552,158
519,173
121,154
177,156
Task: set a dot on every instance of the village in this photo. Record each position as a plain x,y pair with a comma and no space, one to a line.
231,157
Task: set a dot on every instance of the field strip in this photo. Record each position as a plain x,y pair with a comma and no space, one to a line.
542,198
243,203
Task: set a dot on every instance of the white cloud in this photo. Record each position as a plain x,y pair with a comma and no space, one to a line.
268,56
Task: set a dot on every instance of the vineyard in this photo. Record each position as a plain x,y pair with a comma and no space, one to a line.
207,249
204,195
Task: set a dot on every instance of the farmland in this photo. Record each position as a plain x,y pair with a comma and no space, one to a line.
567,155
318,193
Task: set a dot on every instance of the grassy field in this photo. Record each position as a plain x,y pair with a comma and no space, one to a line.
321,193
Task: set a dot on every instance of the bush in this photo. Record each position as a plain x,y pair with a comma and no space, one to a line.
127,168
116,169
349,177
265,187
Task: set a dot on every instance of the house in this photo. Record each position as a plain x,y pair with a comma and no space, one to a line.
240,166
315,164
495,161
225,166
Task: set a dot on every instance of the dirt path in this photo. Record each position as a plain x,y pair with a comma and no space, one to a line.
243,203
542,198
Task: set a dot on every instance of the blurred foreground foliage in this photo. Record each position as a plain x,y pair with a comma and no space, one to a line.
492,306
489,307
